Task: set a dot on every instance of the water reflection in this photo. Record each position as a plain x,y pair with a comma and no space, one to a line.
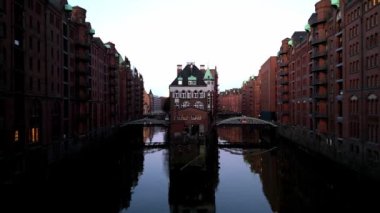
193,178
197,177
247,134
280,179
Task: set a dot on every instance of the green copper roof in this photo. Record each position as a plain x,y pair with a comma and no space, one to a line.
307,27
335,3
290,42
208,75
192,78
68,7
92,31
179,78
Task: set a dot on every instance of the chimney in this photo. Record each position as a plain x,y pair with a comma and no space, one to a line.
202,67
179,68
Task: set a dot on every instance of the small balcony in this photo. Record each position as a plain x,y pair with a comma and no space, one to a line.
112,67
319,82
318,19
84,71
320,96
318,54
283,52
283,73
319,68
83,57
319,40
82,44
284,81
283,64
320,115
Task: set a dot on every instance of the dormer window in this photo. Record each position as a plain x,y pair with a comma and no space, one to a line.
192,81
179,80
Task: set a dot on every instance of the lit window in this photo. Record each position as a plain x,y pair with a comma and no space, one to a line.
34,135
17,136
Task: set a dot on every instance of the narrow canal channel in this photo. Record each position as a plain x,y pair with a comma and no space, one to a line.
197,178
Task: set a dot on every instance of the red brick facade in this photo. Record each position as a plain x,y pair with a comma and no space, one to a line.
230,101
58,84
328,82
193,96
267,76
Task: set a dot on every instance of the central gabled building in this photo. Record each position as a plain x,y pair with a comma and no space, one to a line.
193,95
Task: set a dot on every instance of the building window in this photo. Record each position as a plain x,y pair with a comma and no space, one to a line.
199,105
17,136
183,94
35,135
2,30
201,94
195,94
189,94
185,104
176,94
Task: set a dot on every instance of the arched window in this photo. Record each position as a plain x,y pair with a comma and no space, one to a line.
185,104
372,104
195,94
199,105
201,94
188,94
35,122
183,94
176,94
56,120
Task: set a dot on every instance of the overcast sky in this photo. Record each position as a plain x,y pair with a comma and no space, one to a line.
236,36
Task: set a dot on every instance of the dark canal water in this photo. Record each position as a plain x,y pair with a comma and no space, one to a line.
196,178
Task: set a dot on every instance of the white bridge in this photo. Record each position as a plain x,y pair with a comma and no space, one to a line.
244,120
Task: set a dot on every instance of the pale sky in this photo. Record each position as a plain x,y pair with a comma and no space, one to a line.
236,36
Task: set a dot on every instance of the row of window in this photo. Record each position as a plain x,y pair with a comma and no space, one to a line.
372,131
372,105
354,14
371,41
372,61
371,22
189,94
354,66
373,81
368,4
353,31
185,104
353,49
185,118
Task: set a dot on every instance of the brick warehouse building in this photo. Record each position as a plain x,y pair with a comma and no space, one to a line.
250,90
230,101
59,85
267,94
328,84
193,99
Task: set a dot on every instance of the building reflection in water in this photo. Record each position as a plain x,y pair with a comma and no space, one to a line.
233,134
193,172
295,182
154,134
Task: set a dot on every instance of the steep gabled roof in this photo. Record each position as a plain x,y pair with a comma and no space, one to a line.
208,75
190,72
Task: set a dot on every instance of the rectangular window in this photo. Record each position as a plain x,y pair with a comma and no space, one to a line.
16,136
2,5
34,135
2,30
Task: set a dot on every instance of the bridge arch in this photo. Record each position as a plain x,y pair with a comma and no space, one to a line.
146,122
244,120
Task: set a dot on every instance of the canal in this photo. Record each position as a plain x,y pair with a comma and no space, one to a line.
198,178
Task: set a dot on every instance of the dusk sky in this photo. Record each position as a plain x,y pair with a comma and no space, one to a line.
236,36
